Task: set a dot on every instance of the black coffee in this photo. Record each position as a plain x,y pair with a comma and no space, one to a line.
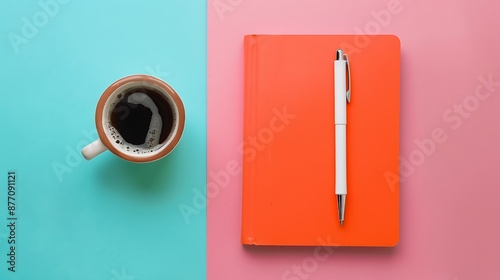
142,117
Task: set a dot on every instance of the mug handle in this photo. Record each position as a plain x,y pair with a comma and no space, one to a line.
93,149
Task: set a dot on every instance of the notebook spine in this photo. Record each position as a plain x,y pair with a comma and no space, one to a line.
249,123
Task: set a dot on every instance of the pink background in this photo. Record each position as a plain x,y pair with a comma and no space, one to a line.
450,218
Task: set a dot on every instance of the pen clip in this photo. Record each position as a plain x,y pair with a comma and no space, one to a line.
348,68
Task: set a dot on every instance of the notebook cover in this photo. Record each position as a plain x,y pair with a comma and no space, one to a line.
288,145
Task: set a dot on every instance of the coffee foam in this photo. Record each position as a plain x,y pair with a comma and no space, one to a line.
155,127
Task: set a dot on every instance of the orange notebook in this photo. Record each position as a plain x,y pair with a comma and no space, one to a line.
289,142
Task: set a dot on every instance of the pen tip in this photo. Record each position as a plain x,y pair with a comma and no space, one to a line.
341,223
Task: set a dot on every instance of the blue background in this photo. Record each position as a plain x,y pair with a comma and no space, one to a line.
105,218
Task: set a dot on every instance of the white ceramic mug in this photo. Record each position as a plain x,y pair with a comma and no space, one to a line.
134,108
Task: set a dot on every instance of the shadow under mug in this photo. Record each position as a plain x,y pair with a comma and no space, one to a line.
109,136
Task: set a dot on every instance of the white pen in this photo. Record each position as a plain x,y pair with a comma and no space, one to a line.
342,96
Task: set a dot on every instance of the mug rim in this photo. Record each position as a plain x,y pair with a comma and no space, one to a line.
139,78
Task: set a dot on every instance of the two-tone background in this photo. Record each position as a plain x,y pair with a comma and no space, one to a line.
109,219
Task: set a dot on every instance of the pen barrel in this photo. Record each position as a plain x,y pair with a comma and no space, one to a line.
340,67
340,93
340,159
